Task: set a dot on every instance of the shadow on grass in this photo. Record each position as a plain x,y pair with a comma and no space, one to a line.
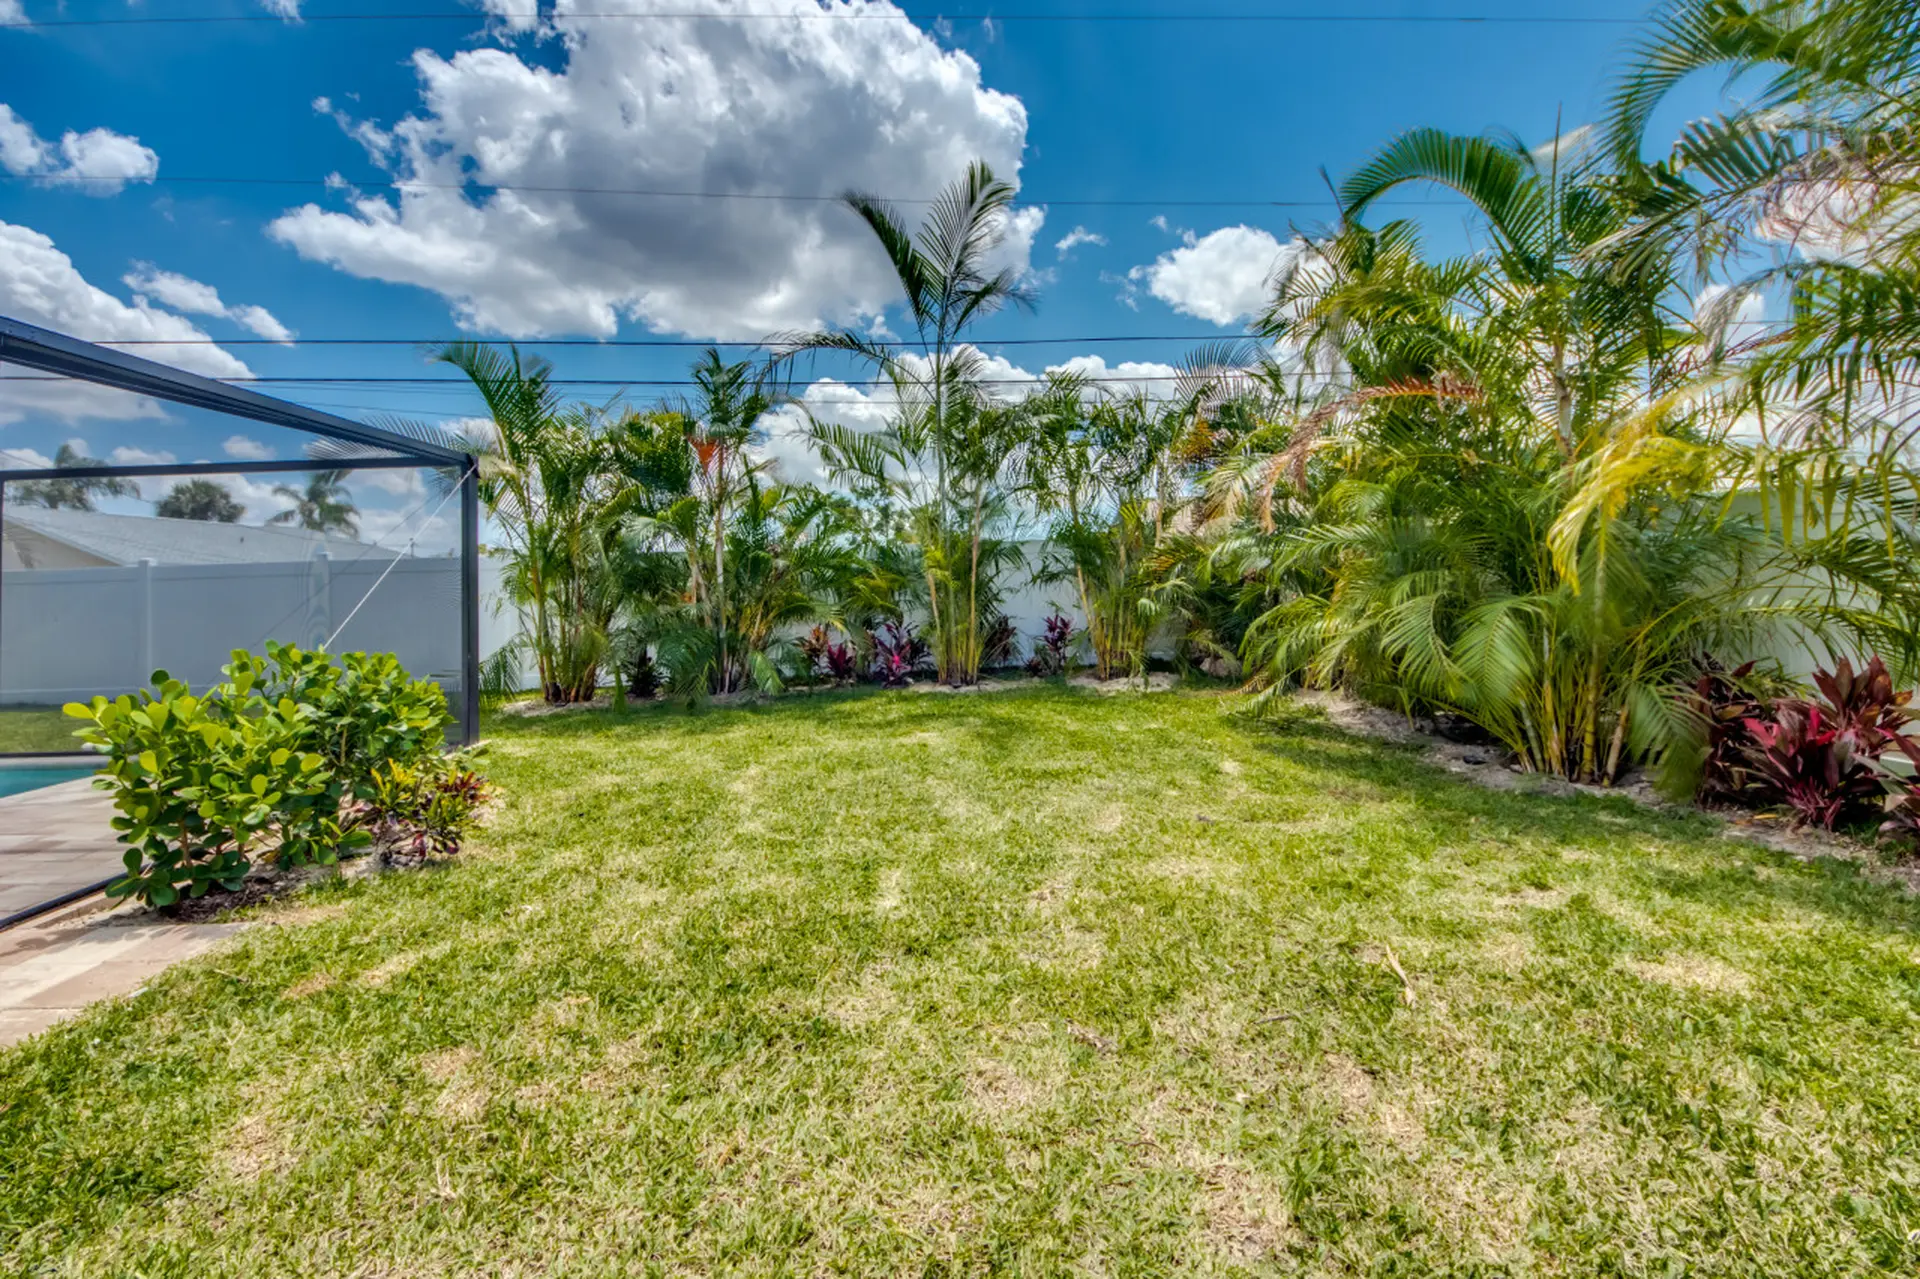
909,707
1829,885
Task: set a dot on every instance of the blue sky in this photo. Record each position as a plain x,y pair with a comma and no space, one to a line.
1157,114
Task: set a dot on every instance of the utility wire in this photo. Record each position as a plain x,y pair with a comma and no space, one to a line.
604,381
696,343
1165,16
476,184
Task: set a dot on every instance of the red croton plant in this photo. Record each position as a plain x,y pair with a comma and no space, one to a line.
1826,761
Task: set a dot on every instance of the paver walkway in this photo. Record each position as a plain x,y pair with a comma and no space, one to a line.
52,967
53,841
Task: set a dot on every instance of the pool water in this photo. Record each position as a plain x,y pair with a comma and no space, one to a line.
15,781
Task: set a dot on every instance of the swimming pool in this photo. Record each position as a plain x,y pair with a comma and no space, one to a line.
17,781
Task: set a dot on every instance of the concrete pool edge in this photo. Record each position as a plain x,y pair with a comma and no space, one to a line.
57,759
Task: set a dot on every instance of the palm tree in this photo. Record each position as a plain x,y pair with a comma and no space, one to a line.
945,453
1436,547
1816,171
323,506
199,500
558,480
723,422
1815,176
72,494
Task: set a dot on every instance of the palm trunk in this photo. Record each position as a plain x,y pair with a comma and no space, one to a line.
720,588
973,595
1615,746
1589,761
1562,397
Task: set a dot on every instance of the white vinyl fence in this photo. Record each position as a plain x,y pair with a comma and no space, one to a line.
67,634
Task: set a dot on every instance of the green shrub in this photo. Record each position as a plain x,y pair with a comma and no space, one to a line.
289,759
422,812
364,710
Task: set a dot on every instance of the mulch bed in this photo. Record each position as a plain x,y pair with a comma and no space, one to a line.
217,901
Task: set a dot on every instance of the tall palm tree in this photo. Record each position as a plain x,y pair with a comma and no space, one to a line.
71,494
323,506
946,450
723,421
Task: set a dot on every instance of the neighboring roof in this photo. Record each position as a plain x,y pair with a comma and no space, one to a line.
128,539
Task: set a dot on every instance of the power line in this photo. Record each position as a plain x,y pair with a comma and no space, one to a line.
693,343
1319,18
625,382
700,344
475,184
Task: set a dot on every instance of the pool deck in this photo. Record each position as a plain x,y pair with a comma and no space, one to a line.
54,840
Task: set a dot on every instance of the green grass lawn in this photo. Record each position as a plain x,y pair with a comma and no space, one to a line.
1036,982
37,728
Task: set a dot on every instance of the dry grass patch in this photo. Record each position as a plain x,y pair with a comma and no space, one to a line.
1508,953
1693,972
311,984
1057,942
293,916
404,962
997,1092
1244,1216
890,892
463,1097
254,1148
868,1001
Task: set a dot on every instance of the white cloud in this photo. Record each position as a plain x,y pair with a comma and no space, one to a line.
25,459
180,293
401,482
375,141
21,149
288,9
99,161
514,15
245,448
670,104
127,456
1221,277
39,284
1077,237
406,529
1125,378
261,322
11,11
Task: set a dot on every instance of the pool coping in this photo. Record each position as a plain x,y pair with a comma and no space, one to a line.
53,759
